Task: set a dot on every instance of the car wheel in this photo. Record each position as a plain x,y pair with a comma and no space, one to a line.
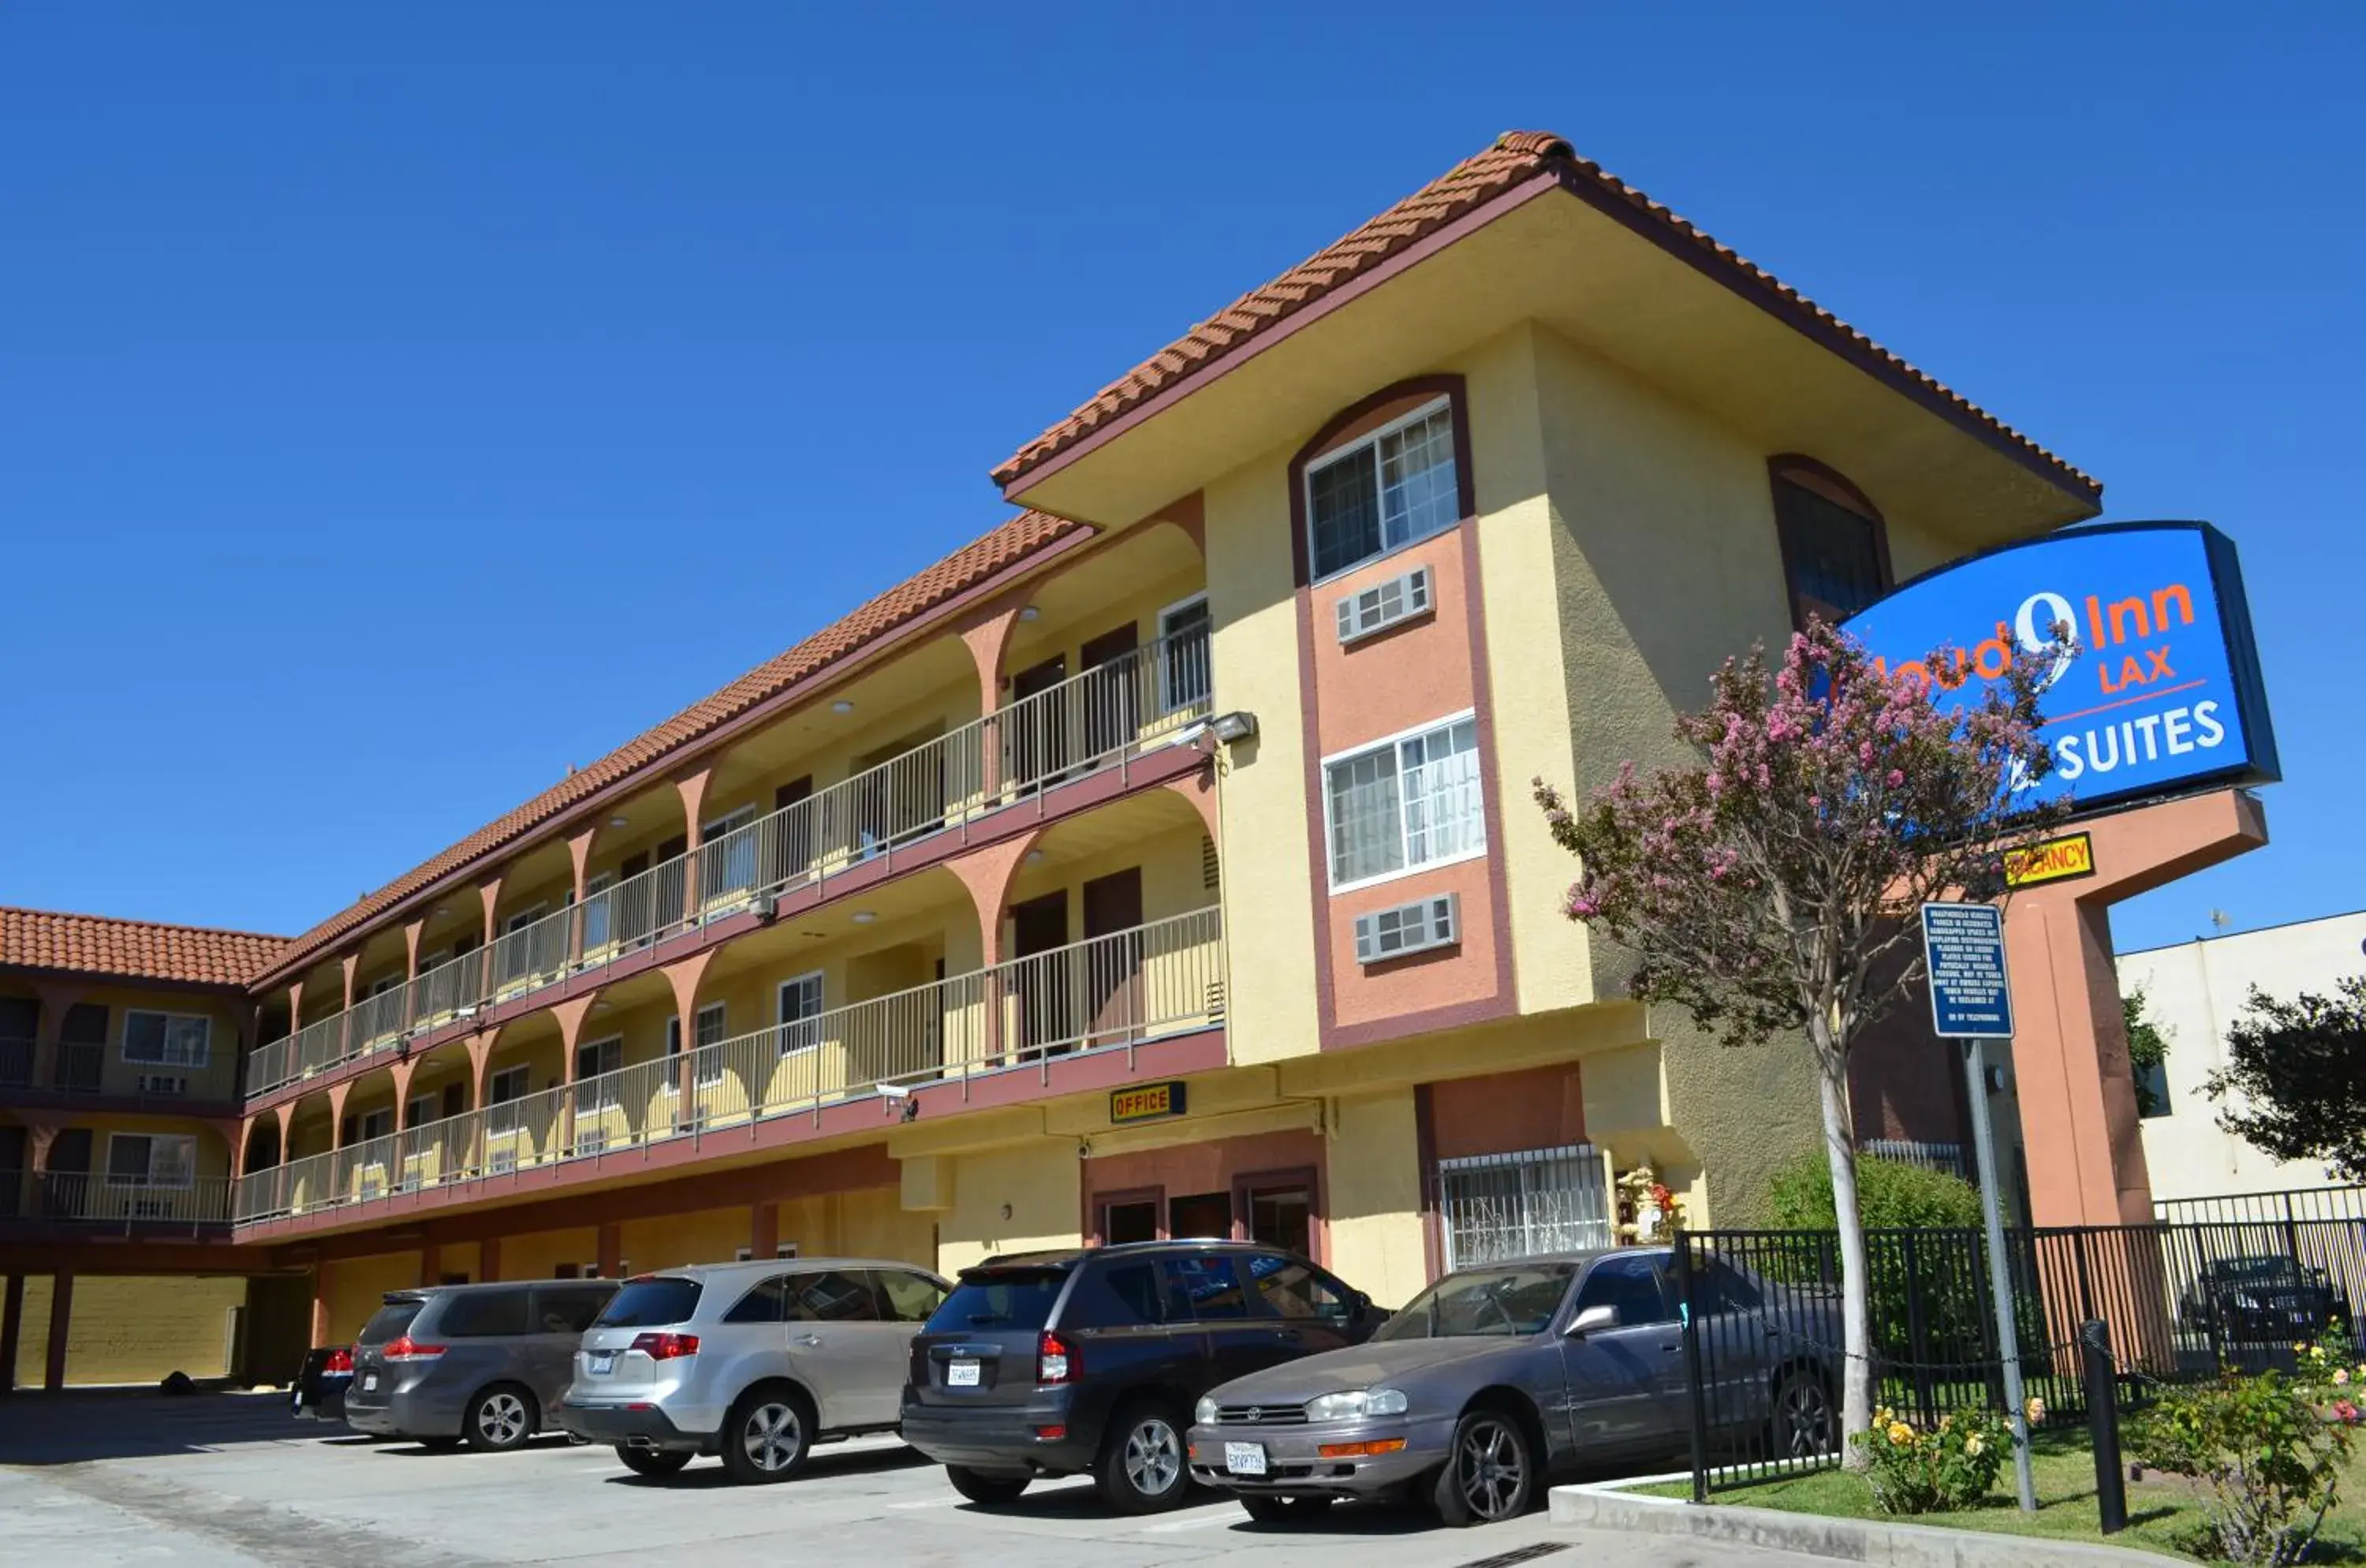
499,1419
1491,1475
1142,1468
1804,1426
651,1461
1268,1510
769,1435
985,1487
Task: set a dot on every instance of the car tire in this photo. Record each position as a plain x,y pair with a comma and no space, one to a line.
1268,1510
499,1419
768,1434
1489,1475
651,1461
1805,1424
986,1488
1142,1468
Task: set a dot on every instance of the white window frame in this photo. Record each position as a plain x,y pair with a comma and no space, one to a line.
1390,743
431,1104
362,1134
780,1010
708,833
594,886
149,1179
1369,444
382,985
521,919
1166,669
494,1084
205,1050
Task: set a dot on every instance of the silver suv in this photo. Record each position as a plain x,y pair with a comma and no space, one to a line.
755,1362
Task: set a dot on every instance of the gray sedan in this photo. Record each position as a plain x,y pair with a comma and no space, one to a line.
1498,1375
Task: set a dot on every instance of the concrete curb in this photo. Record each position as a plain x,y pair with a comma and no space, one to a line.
1815,1535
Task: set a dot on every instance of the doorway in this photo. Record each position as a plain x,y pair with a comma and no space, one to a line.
1035,734
1283,1215
1106,694
1039,930
1201,1214
1112,961
1128,1217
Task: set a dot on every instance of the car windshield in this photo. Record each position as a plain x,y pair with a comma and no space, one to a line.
1018,1298
2257,1270
1515,1301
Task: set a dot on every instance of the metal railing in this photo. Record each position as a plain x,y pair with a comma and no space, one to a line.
15,1063
81,1198
1116,992
81,1068
11,1192
1128,706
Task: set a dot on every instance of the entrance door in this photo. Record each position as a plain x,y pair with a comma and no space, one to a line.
1106,694
1112,963
65,1183
1201,1214
14,1158
1039,928
1281,1216
1035,734
794,845
1129,1219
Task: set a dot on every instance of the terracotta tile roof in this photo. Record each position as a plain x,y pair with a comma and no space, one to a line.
1011,543
101,945
1515,157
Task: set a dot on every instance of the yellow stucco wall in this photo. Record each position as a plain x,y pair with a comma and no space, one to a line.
537,1255
353,1288
126,1329
1037,1184
1373,1185
709,1236
216,1079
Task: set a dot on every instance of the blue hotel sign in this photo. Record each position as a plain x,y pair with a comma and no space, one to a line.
2162,693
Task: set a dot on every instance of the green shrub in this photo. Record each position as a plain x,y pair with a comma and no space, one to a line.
2270,1449
1937,1469
1890,1195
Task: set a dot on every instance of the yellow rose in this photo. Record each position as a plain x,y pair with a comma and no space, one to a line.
2340,1376
1973,1445
1946,1423
2035,1410
2316,1352
1900,1433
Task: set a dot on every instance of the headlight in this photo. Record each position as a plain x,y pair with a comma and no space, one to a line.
1204,1413
1358,1402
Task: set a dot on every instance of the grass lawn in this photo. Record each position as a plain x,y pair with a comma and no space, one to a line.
2162,1510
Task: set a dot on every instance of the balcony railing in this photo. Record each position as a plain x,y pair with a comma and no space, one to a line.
1109,992
15,1063
77,1199
1127,706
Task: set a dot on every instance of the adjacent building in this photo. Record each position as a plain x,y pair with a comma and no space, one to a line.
1161,863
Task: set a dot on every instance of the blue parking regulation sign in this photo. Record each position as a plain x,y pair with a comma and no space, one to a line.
1970,997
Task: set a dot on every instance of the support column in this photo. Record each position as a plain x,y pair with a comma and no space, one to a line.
683,976
430,1264
349,962
12,1329
285,1111
490,890
988,873
411,934
53,1373
489,1258
49,1030
692,787
402,1072
612,1250
763,1229
987,636
570,1015
579,851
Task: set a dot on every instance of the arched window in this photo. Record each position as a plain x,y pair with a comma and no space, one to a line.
1390,470
1835,545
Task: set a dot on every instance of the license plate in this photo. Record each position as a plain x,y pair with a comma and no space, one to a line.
961,1374
369,1381
1244,1459
603,1362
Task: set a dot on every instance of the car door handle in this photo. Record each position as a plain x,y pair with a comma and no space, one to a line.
804,1339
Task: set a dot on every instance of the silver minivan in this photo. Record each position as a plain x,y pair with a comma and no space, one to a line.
481,1363
754,1361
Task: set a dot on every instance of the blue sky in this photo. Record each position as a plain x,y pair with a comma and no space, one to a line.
402,403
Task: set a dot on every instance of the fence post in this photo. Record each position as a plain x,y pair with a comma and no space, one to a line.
1682,1255
2103,1425
1918,1336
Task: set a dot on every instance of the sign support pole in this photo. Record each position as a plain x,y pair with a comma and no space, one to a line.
1999,1273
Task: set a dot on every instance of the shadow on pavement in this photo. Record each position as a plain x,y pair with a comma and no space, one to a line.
79,1427
709,1472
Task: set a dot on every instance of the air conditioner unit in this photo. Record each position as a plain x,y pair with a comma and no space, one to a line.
162,1083
764,906
1382,605
1418,927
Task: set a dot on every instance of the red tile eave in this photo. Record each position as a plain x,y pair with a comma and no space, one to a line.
1178,1056
802,690
1718,263
110,977
1058,804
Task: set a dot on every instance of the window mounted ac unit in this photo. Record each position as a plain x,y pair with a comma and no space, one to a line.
164,1083
1418,927
1384,605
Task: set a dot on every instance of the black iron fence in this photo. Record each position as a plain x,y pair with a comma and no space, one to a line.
1764,1343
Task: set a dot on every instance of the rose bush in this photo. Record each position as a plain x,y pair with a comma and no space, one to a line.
2269,1446
1933,1468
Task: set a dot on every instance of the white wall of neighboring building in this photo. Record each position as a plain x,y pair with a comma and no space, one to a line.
2195,991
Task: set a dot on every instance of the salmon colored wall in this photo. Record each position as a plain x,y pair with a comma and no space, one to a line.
1418,670
1542,1108
1440,978
1183,1169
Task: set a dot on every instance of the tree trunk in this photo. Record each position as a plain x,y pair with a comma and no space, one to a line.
1840,1148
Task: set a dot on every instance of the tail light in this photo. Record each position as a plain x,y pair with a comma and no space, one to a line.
666,1346
409,1349
338,1361
1057,1360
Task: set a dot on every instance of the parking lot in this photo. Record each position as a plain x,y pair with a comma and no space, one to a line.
229,1481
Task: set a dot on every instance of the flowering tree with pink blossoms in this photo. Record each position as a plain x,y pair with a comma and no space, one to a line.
1771,888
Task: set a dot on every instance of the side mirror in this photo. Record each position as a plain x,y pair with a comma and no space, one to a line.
1593,1320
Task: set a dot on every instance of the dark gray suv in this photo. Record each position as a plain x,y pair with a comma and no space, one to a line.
479,1363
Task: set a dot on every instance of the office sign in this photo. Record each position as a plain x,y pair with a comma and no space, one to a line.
1970,996
2055,860
2160,693
1145,1102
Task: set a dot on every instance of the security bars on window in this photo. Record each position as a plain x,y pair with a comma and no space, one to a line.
1519,1205
1383,604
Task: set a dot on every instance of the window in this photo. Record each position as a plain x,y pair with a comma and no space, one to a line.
906,1297
1185,679
598,924
594,1057
1522,1204
482,1315
1392,487
710,1019
832,1295
517,955
509,1083
1292,1289
800,1004
167,1039
652,1304
1631,1282
2152,1089
1718,1286
764,1301
1003,1299
569,1309
422,1110
392,1321
726,868
377,1123
150,1160
1411,801
1207,1281
1418,927
1832,546
1124,1295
